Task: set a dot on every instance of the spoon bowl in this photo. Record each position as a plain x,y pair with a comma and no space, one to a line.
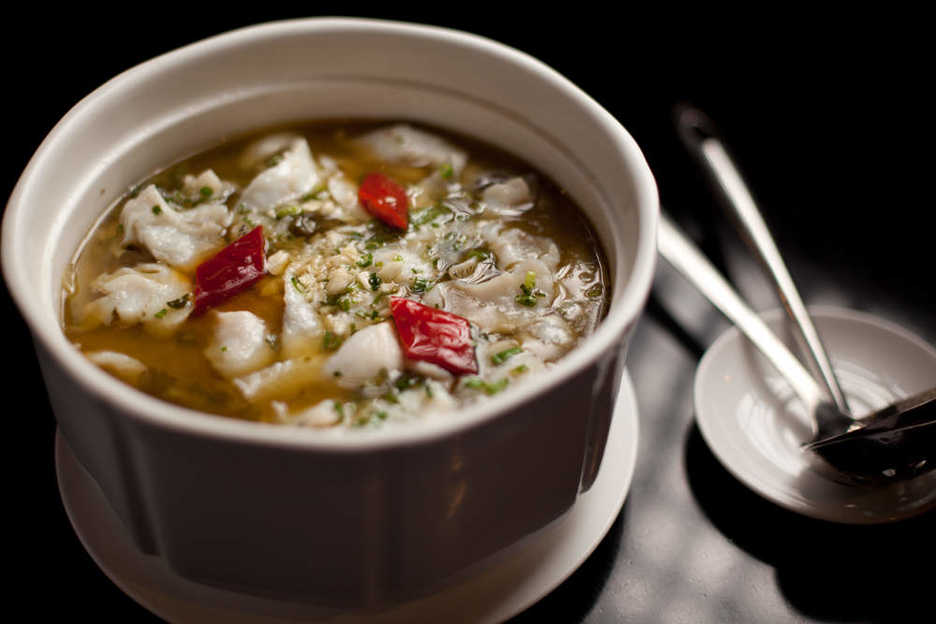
893,443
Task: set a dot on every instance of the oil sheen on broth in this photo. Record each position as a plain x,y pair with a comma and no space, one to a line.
336,275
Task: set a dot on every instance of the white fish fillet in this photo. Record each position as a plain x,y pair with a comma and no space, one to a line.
362,356
510,198
301,322
140,294
181,239
405,145
293,176
238,345
120,364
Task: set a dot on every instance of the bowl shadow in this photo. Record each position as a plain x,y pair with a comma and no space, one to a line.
825,570
577,595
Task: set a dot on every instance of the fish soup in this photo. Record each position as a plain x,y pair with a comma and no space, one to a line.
337,275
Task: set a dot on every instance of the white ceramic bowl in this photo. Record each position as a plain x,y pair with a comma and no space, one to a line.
282,511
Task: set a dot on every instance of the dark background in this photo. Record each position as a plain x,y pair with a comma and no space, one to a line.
829,117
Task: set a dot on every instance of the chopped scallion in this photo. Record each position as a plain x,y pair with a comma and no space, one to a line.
476,383
503,356
287,211
420,285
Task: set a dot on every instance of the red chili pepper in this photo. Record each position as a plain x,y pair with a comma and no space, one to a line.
434,336
385,199
232,270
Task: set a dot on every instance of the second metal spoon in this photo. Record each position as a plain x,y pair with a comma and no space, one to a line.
697,132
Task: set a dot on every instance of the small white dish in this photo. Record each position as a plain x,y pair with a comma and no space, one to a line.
494,590
753,423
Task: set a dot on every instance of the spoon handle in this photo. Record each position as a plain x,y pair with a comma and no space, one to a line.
686,258
696,131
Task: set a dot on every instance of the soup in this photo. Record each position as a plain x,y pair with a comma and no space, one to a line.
336,275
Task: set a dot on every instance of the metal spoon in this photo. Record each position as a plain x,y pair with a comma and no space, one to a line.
698,133
892,452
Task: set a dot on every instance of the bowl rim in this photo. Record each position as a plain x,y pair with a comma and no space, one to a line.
155,412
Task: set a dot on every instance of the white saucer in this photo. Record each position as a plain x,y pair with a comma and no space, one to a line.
754,425
509,582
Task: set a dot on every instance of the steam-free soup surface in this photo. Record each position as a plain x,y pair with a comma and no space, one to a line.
381,273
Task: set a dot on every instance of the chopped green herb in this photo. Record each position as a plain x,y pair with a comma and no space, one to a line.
366,260
527,297
420,285
339,409
429,214
594,292
288,211
519,370
318,188
407,381
503,356
397,258
223,349
206,191
297,284
497,386
161,313
330,341
476,383
369,316
447,171
480,253
156,209
274,160
381,415
374,281
120,229
178,304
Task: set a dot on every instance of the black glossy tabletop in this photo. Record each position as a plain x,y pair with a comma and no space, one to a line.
828,119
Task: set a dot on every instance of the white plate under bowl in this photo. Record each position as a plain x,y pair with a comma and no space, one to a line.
754,425
492,591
